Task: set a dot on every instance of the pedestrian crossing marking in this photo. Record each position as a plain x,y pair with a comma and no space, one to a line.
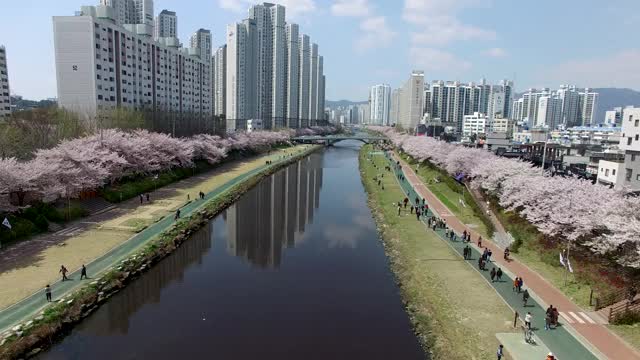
567,318
587,318
576,317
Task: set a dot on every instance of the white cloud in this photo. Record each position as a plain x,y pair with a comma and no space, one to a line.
294,7
375,33
438,22
496,52
355,8
436,60
620,69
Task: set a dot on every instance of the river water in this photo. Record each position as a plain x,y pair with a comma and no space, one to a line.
293,270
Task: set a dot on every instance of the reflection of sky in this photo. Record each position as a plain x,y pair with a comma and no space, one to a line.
287,288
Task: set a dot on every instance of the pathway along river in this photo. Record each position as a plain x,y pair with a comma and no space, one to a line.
293,270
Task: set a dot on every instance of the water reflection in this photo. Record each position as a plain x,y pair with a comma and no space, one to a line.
147,289
273,215
294,270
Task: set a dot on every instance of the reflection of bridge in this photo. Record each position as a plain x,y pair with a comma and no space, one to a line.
332,139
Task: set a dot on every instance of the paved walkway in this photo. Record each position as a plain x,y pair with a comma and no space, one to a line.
34,303
562,341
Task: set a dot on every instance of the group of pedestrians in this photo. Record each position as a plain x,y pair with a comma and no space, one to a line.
64,271
143,196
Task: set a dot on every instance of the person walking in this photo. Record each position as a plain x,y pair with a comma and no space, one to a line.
47,292
406,200
493,274
520,283
467,250
83,273
141,199
515,283
480,263
464,253
506,254
412,209
489,255
550,356
177,216
525,297
399,209
499,275
63,271
480,242
417,200
147,197
500,352
527,320
418,214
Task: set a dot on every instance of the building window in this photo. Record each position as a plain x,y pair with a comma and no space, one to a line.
629,141
628,174
613,172
633,157
637,123
637,137
606,172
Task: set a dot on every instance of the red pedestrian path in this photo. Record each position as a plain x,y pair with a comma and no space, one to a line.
597,335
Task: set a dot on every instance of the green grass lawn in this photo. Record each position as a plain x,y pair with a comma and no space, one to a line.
630,333
456,313
450,198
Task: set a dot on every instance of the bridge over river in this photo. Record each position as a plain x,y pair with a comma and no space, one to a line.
332,139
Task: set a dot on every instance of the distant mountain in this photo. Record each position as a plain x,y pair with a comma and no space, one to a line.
609,98
338,103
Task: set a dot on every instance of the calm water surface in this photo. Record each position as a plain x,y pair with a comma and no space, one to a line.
294,270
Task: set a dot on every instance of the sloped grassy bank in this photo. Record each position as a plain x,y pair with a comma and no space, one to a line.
454,313
30,338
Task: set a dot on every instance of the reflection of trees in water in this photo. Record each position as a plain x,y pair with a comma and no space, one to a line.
146,289
270,216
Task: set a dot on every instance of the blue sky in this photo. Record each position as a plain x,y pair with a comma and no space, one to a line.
539,43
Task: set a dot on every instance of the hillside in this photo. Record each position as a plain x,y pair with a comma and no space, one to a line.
614,97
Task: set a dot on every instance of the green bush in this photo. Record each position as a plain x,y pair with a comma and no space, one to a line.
130,188
20,229
41,223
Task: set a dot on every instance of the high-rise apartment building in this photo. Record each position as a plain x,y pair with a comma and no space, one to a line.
394,107
305,80
219,63
124,11
5,98
412,100
165,25
293,75
288,71
571,107
380,101
143,12
587,101
201,42
101,65
241,73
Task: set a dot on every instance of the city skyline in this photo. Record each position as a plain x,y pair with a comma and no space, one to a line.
382,41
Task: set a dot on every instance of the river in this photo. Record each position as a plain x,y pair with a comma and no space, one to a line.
293,270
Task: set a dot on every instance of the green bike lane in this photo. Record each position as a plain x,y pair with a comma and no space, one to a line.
31,305
559,340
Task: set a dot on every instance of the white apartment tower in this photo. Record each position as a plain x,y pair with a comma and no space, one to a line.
241,73
313,82
166,25
143,12
201,42
293,76
100,65
124,11
587,106
5,99
219,63
287,71
412,101
305,79
380,102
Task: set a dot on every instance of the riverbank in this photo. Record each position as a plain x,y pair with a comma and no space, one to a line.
455,313
27,267
164,237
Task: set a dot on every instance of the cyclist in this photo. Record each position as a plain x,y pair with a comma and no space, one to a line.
527,320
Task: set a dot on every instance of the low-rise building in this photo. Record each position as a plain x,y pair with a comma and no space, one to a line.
474,124
630,144
610,172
